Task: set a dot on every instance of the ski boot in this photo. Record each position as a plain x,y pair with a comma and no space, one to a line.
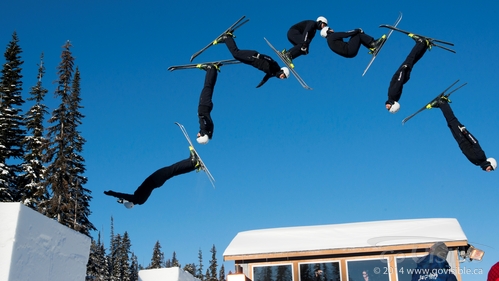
418,38
222,38
287,56
376,44
437,102
195,159
209,66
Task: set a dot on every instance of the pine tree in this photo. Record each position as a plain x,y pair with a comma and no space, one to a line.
134,268
11,122
97,268
212,276
158,257
124,258
69,201
221,274
191,268
116,270
34,194
199,274
175,262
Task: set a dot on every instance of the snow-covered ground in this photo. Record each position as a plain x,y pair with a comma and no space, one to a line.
164,274
34,247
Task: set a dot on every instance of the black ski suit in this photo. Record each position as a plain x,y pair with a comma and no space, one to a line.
155,180
351,48
403,73
255,59
301,35
205,106
467,142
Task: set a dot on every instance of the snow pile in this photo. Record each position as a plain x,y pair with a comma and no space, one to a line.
34,247
166,274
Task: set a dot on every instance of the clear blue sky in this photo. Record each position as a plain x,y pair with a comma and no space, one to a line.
281,155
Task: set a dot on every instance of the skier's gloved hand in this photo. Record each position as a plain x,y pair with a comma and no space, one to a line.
359,30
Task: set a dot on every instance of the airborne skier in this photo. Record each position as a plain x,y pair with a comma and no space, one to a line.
157,179
403,73
351,48
251,57
467,142
301,35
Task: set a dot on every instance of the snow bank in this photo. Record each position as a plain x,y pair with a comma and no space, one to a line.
34,247
166,274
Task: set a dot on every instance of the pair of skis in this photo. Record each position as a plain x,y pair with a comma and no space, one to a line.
240,22
432,40
428,105
288,64
203,166
376,52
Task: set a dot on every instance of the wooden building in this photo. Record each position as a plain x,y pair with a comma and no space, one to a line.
382,250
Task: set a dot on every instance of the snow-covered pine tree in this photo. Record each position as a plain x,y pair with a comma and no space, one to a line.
11,122
64,176
212,275
34,194
158,258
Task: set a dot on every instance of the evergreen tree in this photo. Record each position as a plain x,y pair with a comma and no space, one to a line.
191,268
175,262
124,258
34,194
134,268
168,263
97,267
69,201
116,270
199,274
11,122
112,248
221,274
212,276
158,257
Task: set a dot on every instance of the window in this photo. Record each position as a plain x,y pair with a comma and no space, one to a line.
328,271
368,270
273,273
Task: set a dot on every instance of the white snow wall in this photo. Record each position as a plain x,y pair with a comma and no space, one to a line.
166,274
34,247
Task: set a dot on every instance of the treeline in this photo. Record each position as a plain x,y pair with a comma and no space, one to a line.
41,165
118,263
40,153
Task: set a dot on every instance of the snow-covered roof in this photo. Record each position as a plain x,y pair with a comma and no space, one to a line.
344,236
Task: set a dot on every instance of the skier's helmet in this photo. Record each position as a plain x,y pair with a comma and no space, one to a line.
492,162
324,31
394,108
128,204
321,19
285,70
203,139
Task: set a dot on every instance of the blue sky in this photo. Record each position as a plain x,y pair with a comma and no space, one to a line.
281,155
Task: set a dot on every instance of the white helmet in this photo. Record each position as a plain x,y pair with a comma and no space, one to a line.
285,70
492,162
394,108
203,139
324,31
128,204
322,19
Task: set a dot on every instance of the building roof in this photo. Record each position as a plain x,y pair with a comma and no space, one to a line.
344,236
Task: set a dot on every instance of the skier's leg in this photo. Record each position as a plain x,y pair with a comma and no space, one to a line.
296,38
353,46
366,40
205,103
159,177
244,56
414,56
